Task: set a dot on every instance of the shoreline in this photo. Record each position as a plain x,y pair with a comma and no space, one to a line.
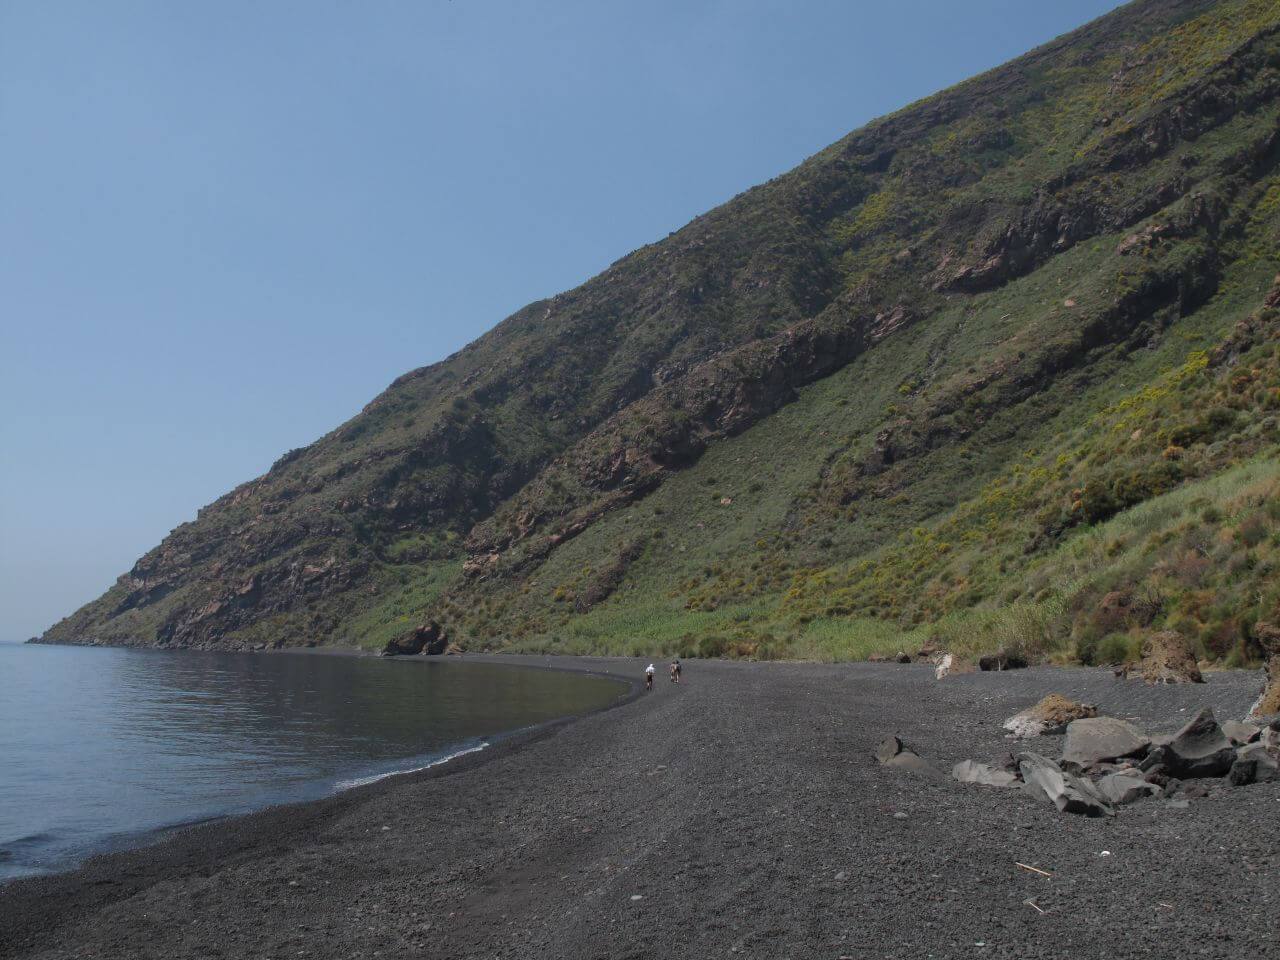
737,809
123,845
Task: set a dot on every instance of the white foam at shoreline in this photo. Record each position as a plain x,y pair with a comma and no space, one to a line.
365,781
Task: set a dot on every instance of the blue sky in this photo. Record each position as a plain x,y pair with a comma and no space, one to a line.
224,227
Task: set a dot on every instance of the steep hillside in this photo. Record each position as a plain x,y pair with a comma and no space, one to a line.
965,372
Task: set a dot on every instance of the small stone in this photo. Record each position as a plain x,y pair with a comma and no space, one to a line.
889,748
899,815
842,875
637,896
907,760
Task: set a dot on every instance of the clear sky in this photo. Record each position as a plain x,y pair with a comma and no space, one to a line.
225,226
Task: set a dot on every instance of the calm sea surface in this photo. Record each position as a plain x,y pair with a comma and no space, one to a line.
100,748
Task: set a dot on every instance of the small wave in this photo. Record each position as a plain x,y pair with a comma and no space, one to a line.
342,785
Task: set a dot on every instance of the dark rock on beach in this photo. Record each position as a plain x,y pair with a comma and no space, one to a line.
1199,749
1070,794
1119,788
1265,761
1097,739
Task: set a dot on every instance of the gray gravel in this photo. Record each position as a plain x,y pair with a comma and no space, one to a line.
738,814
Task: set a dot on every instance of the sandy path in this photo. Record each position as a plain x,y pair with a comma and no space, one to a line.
737,814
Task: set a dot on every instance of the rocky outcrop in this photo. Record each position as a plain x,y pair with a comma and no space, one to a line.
1268,635
427,638
1167,657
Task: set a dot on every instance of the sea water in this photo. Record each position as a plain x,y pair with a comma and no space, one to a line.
101,748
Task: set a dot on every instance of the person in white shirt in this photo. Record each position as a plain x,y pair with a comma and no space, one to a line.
648,677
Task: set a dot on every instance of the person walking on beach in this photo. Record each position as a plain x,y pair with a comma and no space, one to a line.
648,677
675,670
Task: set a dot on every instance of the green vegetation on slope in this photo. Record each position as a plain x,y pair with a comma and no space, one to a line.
958,376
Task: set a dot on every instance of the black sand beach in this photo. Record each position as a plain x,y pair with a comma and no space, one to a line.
737,814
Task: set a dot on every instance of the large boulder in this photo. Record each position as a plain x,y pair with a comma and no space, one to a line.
1044,779
1199,749
426,638
1100,740
1268,635
1167,657
1050,716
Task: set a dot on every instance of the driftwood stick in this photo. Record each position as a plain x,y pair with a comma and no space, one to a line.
1043,873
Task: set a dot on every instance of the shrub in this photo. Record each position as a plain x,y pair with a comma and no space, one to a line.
1117,648
712,645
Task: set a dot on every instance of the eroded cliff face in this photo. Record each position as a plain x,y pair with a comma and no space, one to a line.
1098,192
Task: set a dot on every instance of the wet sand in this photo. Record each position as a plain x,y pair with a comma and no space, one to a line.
737,814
